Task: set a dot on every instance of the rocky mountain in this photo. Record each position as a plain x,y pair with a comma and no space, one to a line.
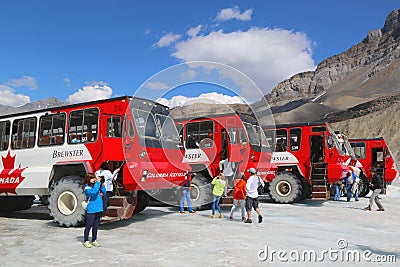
357,90
365,72
40,104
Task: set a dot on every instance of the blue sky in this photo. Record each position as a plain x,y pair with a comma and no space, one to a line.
84,50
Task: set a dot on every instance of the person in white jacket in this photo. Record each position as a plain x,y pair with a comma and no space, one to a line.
252,195
226,168
108,183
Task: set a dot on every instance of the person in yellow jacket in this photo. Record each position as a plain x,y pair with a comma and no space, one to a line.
219,185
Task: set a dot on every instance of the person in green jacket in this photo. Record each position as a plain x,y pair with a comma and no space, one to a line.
219,185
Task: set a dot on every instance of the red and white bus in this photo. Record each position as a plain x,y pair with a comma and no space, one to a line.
47,152
214,137
309,158
374,152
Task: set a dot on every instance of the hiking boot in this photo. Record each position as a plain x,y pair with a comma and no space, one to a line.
192,211
357,200
221,216
95,243
367,208
212,216
260,218
248,221
87,244
231,218
182,212
243,218
380,209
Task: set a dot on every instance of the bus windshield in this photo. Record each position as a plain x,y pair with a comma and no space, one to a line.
252,134
168,129
262,137
336,141
348,147
145,124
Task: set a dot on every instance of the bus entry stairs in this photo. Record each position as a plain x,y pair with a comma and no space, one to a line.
319,181
118,209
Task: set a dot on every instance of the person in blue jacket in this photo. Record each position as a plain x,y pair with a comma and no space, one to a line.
93,191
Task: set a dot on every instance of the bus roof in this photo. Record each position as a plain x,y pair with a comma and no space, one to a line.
210,116
289,125
129,98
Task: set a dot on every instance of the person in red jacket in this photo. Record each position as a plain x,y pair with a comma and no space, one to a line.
239,196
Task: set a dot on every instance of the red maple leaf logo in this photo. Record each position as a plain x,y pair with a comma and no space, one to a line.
10,177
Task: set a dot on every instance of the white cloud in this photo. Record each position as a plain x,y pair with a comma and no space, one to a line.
234,13
267,56
156,85
67,82
194,31
10,98
187,75
167,40
91,92
210,98
24,81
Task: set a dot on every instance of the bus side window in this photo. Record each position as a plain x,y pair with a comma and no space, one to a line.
82,123
24,133
192,135
114,126
200,134
281,140
295,139
4,134
51,129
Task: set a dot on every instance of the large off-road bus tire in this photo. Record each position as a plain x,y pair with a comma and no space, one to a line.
286,188
65,201
8,204
306,192
363,187
201,192
142,202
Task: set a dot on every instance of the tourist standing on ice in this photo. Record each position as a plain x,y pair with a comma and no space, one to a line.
376,186
356,181
92,188
226,168
252,195
356,177
239,196
351,182
219,185
338,190
185,194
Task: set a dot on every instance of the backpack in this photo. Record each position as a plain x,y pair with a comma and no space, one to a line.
260,188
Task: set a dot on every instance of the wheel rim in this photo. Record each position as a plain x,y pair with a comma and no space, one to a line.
67,203
194,193
283,188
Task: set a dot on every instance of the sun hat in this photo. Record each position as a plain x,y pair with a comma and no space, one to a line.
252,170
